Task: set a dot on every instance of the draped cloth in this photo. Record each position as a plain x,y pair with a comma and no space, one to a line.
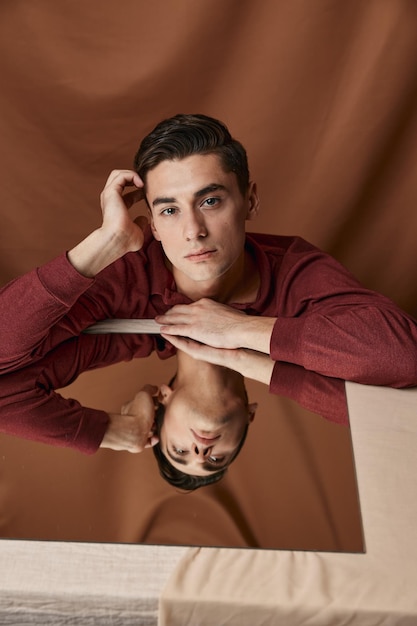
323,96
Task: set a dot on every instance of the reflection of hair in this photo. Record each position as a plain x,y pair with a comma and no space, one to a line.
184,135
179,479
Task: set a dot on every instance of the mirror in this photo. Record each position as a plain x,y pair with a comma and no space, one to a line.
293,485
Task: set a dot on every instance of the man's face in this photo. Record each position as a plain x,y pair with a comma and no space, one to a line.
200,436
198,214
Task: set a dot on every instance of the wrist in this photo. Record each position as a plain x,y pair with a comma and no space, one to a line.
97,251
123,434
256,332
256,366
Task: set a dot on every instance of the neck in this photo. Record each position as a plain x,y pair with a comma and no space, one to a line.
238,285
204,376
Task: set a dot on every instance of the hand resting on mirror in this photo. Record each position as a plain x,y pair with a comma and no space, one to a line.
218,325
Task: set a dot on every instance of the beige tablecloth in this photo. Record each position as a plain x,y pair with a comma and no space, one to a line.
239,587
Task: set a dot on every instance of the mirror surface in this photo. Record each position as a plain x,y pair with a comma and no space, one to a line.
293,485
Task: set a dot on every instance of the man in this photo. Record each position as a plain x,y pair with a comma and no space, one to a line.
199,421
202,423
204,279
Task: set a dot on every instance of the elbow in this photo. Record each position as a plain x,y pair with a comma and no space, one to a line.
389,368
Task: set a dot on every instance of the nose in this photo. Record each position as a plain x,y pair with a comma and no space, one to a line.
201,451
194,226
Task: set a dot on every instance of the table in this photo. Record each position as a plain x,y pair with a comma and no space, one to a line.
56,582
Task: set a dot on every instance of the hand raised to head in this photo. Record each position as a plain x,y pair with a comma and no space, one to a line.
119,233
116,199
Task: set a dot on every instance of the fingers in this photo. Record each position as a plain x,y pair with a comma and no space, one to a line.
118,182
200,351
182,343
124,178
202,310
125,409
173,330
180,320
177,315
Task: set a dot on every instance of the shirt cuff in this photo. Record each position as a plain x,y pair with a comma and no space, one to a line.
286,340
91,431
63,281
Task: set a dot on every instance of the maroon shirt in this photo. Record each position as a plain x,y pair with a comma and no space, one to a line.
328,329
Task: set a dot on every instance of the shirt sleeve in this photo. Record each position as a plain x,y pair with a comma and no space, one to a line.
31,408
322,395
328,323
30,307
54,303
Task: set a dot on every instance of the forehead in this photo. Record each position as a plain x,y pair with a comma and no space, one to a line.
188,175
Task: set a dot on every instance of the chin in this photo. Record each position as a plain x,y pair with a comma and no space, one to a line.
208,273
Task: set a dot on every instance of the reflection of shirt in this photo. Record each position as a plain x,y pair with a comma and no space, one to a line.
328,329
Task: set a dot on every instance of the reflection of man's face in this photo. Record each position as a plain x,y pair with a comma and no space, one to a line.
200,435
198,214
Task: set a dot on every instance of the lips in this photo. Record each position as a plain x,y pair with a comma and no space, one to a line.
205,440
200,255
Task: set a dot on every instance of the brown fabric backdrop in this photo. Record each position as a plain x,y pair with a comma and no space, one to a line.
323,96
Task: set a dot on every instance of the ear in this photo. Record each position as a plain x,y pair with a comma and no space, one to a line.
165,393
253,202
251,411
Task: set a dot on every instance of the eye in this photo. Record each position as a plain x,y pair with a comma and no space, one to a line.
210,202
169,211
215,459
178,451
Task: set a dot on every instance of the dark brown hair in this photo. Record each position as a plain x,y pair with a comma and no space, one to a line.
174,476
184,135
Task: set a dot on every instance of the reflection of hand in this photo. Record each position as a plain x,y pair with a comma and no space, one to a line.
217,325
226,357
133,429
249,363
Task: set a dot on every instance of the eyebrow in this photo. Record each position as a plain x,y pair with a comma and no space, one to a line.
206,466
198,194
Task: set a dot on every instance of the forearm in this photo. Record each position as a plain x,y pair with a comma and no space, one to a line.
31,306
322,395
52,304
368,345
125,433
31,408
329,323
31,412
97,251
